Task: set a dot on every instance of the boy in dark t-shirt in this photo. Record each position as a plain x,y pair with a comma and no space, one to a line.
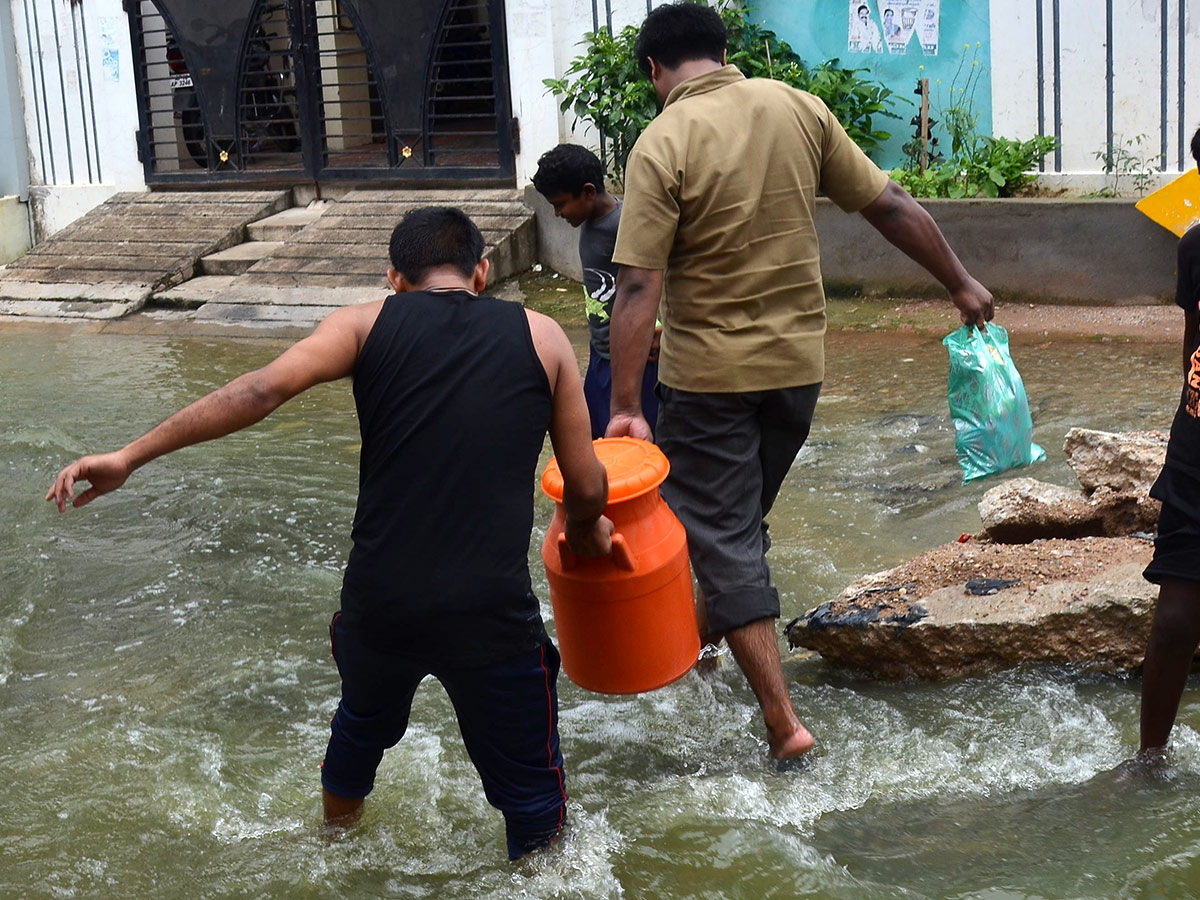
571,178
1175,633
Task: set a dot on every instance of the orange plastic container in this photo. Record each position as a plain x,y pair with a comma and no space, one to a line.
626,623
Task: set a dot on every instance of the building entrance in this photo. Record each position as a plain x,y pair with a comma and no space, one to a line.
271,90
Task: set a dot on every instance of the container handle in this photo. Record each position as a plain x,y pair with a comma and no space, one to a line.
567,560
621,553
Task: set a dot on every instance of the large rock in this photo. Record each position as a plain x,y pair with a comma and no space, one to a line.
1123,463
974,607
1115,471
1023,509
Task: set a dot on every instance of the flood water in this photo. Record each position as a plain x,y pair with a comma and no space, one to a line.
166,684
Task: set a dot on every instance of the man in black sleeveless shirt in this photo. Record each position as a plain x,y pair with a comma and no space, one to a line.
455,395
1175,567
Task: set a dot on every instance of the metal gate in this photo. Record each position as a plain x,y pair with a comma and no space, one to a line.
273,90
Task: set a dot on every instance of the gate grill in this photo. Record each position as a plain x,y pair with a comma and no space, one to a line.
302,93
268,117
461,103
353,131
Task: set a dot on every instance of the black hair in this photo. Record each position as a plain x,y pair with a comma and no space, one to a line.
434,236
680,32
566,169
1196,146
861,8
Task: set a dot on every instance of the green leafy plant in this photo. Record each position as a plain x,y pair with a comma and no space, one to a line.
977,165
604,88
1126,160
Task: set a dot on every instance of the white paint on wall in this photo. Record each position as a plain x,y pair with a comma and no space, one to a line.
1137,124
81,114
15,237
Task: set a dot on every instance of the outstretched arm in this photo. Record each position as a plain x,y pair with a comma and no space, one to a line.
585,481
631,336
906,224
325,355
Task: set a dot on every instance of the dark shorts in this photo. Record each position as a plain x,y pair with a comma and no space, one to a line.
729,454
1176,548
507,712
597,390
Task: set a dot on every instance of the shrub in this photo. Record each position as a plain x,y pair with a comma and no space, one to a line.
604,87
978,164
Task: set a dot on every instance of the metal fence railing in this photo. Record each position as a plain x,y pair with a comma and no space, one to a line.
53,38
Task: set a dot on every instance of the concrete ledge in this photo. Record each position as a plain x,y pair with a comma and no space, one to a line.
226,291
301,317
1066,251
1047,250
101,292
15,235
67,309
557,241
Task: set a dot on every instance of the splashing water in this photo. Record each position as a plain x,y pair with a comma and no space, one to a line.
165,680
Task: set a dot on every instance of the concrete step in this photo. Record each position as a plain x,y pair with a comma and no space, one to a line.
283,225
229,290
237,259
195,292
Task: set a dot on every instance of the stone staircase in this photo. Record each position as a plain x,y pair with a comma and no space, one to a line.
277,264
110,261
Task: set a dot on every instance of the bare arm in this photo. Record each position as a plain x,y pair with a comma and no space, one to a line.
585,482
631,336
906,224
327,354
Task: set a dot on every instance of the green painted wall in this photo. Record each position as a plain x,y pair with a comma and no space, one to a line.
822,29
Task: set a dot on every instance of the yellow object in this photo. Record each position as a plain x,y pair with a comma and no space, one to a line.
1175,206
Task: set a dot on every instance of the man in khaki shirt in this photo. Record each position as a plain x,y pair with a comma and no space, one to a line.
720,192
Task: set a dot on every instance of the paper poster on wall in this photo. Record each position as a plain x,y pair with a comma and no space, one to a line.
904,18
110,50
928,24
864,36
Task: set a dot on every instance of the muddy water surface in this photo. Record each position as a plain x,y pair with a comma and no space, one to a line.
165,680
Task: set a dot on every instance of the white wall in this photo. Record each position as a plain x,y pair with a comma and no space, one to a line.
80,106
543,37
1082,95
14,229
1137,122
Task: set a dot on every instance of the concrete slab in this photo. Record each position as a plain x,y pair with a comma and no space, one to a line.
283,225
268,316
237,259
235,291
98,292
117,243
67,309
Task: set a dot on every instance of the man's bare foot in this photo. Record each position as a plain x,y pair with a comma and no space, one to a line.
708,663
794,744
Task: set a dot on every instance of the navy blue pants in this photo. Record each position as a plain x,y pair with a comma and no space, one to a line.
597,390
507,713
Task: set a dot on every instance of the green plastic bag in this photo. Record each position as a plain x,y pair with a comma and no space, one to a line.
993,431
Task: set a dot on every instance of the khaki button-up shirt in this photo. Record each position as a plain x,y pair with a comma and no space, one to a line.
720,192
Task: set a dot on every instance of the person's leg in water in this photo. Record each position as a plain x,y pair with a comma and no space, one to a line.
377,695
717,459
1174,637
756,649
508,715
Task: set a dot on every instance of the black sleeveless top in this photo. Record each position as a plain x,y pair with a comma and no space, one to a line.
1179,482
453,406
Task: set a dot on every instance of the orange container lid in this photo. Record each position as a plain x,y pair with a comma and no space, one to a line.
635,467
